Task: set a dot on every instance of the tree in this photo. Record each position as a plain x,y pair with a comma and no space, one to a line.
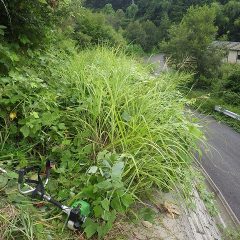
92,28
101,3
164,26
120,14
232,12
108,9
192,39
151,38
119,19
228,20
132,11
135,33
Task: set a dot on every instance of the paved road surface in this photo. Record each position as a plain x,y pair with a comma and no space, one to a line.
221,160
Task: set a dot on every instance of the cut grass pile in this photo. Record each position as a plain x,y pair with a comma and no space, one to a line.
112,130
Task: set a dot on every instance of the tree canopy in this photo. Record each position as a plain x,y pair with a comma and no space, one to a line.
191,39
227,20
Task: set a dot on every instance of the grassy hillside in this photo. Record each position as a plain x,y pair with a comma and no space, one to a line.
111,129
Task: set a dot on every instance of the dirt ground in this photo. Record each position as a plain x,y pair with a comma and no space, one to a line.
173,221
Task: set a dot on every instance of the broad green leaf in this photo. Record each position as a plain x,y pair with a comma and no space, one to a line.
35,114
105,204
3,180
14,57
24,39
117,170
25,131
61,126
127,200
49,118
101,155
104,228
63,193
90,228
11,174
66,142
109,216
104,185
98,211
88,192
116,204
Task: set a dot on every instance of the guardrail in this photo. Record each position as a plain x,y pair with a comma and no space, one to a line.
226,112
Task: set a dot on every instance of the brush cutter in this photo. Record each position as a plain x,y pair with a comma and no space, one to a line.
76,214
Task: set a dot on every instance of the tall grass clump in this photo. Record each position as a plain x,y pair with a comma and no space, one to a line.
112,129
125,110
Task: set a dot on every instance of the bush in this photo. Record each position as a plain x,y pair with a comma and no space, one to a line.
231,98
233,81
92,29
26,22
30,23
135,33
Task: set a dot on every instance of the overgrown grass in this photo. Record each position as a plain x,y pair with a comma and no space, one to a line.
111,128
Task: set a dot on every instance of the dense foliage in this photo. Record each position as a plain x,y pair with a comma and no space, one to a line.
192,38
227,20
91,116
222,91
111,129
92,29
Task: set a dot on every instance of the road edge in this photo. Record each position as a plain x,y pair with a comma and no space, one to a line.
222,200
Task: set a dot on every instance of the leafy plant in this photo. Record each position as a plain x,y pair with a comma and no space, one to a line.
92,29
106,192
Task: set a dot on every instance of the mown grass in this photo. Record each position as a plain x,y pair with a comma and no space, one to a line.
100,109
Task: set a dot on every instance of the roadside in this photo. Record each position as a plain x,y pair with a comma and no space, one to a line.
173,221
225,219
221,159
205,102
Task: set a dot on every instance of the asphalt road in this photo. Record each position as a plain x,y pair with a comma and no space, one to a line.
221,160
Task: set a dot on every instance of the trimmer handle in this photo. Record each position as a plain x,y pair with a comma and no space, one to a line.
22,180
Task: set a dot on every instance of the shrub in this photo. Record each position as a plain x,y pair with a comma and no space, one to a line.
233,81
135,33
92,29
231,98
